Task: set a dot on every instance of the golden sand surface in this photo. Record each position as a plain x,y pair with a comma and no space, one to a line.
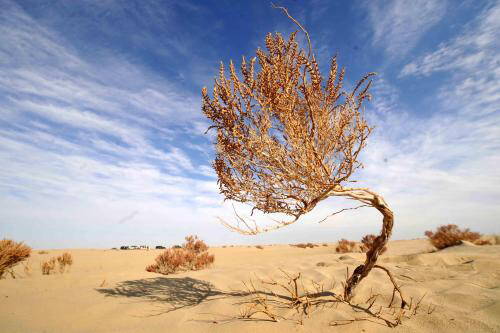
110,291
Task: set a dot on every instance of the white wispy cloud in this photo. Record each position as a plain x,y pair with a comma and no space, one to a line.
442,168
100,151
89,141
475,48
398,25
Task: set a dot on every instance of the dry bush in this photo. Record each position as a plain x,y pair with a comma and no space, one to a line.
12,253
304,245
43,252
260,247
48,266
451,235
192,255
497,239
345,246
289,137
483,242
64,260
273,299
325,244
367,243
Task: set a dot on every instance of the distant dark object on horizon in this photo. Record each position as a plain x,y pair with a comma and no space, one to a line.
134,247
159,247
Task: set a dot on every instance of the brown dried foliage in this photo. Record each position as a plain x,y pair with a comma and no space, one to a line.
48,266
304,245
451,235
289,137
367,243
286,135
192,255
345,246
64,260
11,254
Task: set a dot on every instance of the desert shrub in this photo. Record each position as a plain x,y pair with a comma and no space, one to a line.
43,252
367,242
324,244
48,266
304,245
64,260
177,247
192,255
450,235
482,242
12,253
345,246
260,247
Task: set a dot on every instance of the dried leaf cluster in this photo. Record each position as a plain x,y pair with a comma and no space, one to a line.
289,137
286,135
12,253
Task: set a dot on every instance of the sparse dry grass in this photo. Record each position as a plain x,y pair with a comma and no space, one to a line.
12,253
367,243
451,235
192,255
304,245
64,260
48,266
345,246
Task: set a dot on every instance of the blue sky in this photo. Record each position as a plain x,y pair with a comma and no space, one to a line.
101,131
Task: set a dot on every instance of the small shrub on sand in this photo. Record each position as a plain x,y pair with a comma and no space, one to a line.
345,246
497,239
324,244
64,260
48,266
304,245
482,242
192,255
12,253
260,247
451,235
367,243
43,252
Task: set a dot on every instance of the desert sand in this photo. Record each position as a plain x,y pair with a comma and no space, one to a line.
109,291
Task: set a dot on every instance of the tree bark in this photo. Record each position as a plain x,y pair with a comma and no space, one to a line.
372,255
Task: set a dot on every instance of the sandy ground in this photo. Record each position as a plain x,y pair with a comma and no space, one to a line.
109,291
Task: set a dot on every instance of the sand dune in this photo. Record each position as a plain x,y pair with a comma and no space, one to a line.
109,291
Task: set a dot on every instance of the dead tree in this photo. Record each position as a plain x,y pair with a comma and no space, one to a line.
287,139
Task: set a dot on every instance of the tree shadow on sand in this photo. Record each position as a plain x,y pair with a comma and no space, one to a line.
177,293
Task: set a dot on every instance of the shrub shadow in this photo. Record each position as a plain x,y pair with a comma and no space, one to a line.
177,292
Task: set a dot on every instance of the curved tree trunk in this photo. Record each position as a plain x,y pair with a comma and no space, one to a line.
362,271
